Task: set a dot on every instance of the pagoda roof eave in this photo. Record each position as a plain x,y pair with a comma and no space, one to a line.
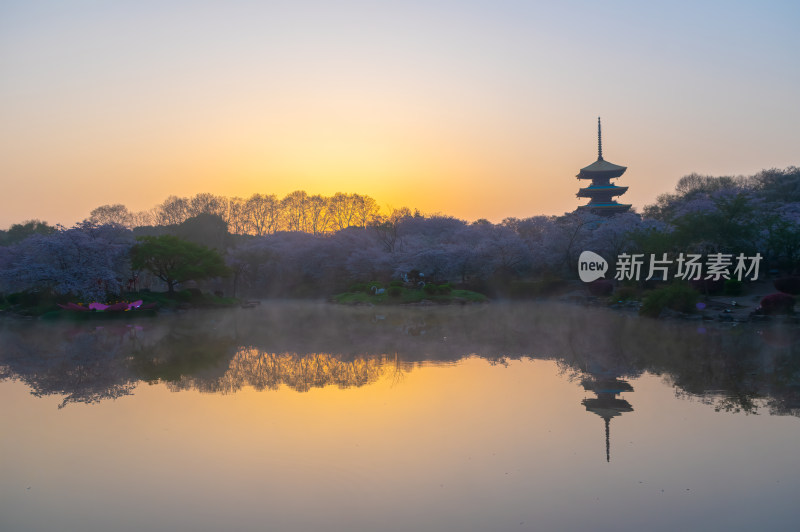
598,175
601,168
588,192
605,206
604,188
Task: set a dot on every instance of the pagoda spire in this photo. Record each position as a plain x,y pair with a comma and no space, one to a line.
599,141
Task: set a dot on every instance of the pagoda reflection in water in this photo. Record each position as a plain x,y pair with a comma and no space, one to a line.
607,405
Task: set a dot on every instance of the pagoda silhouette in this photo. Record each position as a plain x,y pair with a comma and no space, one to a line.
607,405
601,191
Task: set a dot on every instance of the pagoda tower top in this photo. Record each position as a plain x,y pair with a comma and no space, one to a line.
601,168
599,141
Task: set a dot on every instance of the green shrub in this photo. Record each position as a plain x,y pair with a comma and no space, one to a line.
444,289
429,289
26,299
366,288
678,297
733,287
358,287
188,295
625,293
395,291
34,303
395,283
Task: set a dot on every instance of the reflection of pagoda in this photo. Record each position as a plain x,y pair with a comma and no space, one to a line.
606,404
601,192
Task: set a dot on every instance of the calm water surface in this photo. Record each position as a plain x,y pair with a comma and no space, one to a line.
298,417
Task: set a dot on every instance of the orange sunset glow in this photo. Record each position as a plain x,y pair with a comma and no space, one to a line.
372,266
483,110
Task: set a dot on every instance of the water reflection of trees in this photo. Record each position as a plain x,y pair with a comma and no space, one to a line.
731,367
261,370
82,365
302,346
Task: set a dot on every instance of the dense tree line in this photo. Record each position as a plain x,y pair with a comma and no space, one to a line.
759,213
19,232
260,214
312,246
90,259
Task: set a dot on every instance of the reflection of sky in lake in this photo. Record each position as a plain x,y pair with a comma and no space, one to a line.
378,441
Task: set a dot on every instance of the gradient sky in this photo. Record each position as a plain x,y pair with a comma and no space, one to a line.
468,108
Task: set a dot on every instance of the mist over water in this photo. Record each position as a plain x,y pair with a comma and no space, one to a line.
304,345
298,415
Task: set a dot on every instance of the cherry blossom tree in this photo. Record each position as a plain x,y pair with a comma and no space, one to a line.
86,261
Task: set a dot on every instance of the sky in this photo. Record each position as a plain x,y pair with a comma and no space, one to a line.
475,109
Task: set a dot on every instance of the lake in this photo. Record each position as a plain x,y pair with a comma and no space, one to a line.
296,416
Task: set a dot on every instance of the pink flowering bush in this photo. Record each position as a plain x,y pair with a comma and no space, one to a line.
778,303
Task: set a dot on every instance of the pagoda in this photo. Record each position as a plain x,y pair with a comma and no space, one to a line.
607,405
601,191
